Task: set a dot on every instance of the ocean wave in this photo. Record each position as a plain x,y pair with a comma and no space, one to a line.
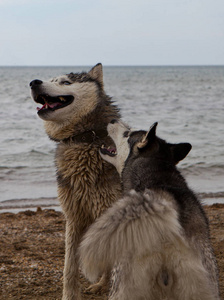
21,204
211,195
28,203
201,167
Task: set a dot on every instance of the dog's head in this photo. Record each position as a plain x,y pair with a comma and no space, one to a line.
119,133
69,96
73,103
136,146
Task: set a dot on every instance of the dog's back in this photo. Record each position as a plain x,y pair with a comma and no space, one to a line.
142,237
157,236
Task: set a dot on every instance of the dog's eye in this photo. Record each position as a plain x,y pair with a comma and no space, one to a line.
66,82
126,134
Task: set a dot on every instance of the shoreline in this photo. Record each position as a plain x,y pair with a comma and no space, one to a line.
19,205
32,253
16,210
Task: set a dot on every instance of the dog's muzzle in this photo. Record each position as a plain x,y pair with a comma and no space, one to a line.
49,103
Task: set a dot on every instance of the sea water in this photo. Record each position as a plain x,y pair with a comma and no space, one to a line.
187,102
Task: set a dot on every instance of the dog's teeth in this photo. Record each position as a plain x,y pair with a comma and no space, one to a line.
62,98
46,106
103,146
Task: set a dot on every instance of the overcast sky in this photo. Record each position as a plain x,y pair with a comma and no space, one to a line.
114,32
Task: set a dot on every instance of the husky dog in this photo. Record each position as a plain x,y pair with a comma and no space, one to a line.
76,112
156,238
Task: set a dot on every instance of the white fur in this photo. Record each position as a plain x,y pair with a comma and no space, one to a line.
116,132
85,100
141,235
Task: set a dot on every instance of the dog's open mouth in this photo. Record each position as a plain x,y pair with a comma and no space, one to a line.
53,103
111,150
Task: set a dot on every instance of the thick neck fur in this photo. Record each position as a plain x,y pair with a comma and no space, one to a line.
103,113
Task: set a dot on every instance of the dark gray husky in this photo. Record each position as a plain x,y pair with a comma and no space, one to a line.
156,238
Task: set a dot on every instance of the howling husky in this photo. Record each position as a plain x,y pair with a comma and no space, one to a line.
76,112
156,238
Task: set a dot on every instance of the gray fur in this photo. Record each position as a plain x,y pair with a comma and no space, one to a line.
157,235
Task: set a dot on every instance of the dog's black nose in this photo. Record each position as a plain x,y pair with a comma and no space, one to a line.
113,121
35,82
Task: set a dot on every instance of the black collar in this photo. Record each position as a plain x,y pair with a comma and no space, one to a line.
87,137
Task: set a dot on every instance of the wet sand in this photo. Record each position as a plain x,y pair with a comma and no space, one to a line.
32,253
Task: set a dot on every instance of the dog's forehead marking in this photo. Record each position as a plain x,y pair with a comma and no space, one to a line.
74,77
58,79
80,77
54,79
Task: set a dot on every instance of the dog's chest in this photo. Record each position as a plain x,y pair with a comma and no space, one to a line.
85,181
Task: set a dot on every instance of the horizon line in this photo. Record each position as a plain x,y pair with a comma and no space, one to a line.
137,65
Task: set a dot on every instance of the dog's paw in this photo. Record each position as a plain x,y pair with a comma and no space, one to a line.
101,287
97,288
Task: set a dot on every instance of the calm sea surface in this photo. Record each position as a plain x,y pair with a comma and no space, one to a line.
188,103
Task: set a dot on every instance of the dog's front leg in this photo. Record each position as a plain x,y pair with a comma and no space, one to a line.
71,286
102,286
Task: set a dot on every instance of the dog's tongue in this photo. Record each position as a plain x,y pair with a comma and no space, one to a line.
54,104
46,105
38,108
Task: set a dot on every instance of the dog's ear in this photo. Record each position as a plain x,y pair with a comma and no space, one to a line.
97,73
148,137
180,151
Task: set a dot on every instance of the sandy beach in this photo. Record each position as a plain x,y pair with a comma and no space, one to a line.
32,253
